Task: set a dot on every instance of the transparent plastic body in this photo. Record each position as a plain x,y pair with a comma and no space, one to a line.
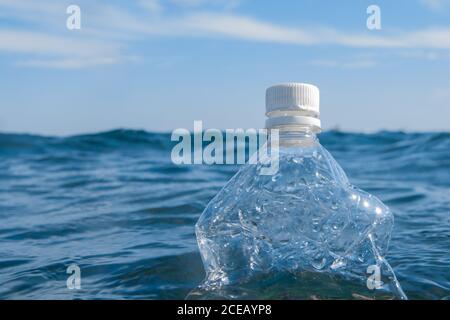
306,226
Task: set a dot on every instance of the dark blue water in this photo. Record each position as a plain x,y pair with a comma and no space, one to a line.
114,204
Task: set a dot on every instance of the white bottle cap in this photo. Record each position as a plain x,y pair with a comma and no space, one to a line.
293,105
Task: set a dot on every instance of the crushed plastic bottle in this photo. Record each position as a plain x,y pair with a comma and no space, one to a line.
305,225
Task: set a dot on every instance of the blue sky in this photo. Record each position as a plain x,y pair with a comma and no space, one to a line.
160,65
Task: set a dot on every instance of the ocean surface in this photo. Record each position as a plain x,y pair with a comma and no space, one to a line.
114,204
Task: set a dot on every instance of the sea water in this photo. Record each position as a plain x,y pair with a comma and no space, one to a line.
114,204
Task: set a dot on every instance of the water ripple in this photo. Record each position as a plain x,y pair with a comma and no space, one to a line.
114,204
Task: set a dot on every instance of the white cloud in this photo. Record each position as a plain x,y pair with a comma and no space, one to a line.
112,29
440,96
435,5
41,43
424,55
351,64
226,4
212,24
68,63
58,51
42,6
242,27
153,6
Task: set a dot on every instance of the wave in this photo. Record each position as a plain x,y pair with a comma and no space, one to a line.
114,203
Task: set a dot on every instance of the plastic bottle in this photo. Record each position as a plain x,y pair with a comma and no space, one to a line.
304,232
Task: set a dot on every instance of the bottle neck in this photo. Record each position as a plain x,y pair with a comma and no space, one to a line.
302,136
